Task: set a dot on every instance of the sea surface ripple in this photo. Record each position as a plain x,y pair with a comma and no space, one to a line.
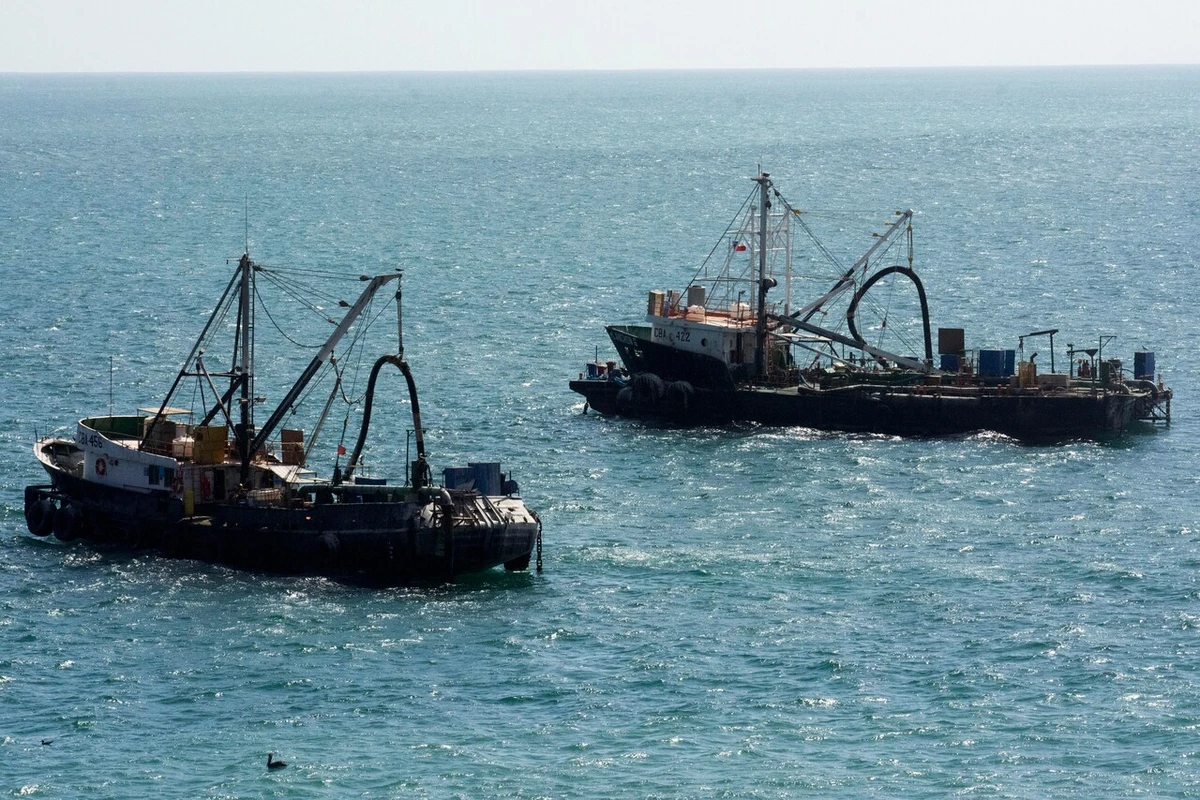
731,612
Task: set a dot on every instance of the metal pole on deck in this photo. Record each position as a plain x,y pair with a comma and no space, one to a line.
760,329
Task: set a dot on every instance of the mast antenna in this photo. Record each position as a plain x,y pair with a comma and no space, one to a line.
246,211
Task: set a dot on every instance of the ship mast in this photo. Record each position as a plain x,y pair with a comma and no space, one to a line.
760,311
245,360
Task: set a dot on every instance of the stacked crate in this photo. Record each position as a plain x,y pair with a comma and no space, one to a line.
161,435
209,444
293,447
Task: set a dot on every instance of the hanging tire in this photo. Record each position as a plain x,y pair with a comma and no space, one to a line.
880,417
648,390
33,517
39,516
518,564
679,396
624,400
329,547
67,522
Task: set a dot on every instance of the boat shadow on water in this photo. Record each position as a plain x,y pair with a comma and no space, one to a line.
1128,438
153,566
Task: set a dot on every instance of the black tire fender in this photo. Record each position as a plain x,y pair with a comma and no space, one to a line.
39,516
67,522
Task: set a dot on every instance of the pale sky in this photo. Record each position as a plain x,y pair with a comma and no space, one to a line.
376,35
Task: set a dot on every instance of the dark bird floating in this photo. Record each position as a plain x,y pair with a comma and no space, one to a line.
273,764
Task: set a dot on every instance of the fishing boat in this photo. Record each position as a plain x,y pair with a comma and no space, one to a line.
207,481
733,345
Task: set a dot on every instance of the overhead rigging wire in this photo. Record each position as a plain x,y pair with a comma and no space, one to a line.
882,310
300,290
729,227
359,334
301,293
282,333
796,214
320,273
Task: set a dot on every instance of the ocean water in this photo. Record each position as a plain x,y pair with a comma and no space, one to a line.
733,612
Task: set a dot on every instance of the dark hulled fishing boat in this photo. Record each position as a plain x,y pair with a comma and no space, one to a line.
734,346
224,488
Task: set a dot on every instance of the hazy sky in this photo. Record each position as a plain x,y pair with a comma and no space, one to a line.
302,35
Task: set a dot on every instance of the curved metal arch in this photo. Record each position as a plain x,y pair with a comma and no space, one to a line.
862,290
420,473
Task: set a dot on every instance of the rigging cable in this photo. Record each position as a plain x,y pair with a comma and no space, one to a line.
300,289
321,273
704,264
351,403
316,382
275,324
301,293
312,440
199,387
359,333
825,251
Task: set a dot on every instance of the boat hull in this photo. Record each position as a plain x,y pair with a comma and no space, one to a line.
642,355
920,411
726,349
435,538
898,410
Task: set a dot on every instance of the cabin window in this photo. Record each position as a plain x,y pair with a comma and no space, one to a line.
154,474
169,476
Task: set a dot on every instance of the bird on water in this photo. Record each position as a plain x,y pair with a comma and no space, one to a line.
273,764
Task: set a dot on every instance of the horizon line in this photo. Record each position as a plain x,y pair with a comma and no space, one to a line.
559,70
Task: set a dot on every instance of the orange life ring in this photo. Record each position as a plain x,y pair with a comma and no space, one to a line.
101,467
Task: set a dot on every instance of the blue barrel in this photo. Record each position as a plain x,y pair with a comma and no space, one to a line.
991,363
487,477
949,362
1143,365
458,477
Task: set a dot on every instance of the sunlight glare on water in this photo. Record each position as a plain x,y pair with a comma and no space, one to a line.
746,612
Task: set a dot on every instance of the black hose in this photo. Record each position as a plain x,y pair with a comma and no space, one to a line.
369,401
858,295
